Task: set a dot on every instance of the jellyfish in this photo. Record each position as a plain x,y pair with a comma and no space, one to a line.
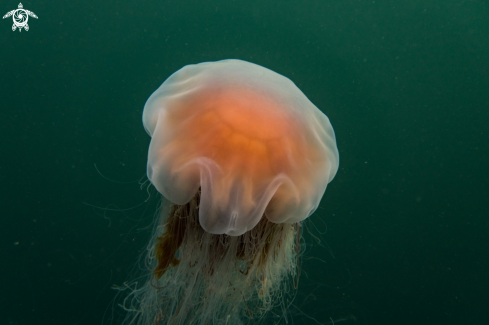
242,158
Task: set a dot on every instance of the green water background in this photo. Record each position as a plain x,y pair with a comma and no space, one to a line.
405,84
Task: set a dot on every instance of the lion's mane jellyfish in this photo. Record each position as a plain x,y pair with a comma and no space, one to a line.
243,157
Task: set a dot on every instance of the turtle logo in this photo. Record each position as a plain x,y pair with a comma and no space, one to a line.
20,17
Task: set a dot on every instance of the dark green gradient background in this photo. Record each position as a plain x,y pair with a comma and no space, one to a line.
404,82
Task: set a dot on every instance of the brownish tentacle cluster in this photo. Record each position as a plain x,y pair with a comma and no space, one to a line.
256,242
203,278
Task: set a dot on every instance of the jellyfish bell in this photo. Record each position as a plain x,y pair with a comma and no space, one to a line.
247,136
243,156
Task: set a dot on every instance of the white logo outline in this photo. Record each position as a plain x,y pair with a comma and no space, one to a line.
20,17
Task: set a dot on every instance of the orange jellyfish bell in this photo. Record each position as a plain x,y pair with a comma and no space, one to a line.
247,137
